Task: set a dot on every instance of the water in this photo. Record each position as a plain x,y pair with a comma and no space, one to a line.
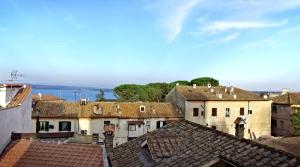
73,94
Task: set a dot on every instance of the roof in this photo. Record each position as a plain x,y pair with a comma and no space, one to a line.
288,98
288,144
203,93
184,143
136,123
56,109
20,97
36,97
10,85
33,153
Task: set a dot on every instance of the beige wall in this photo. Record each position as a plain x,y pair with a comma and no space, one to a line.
283,118
97,125
257,123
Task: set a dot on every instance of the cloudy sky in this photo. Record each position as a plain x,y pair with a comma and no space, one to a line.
253,44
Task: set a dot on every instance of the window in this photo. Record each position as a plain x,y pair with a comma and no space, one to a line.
65,126
274,109
242,111
131,128
139,126
227,114
106,122
196,112
44,125
148,125
202,113
214,127
249,111
273,123
160,124
214,112
142,108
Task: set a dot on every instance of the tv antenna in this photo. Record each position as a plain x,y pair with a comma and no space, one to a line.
14,76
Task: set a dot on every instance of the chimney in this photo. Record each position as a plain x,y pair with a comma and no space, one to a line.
234,96
194,86
177,84
40,96
212,90
209,85
220,96
83,101
285,91
231,89
226,89
265,96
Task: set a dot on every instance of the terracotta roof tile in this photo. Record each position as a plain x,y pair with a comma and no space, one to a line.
36,97
188,144
203,93
21,95
106,110
289,98
29,153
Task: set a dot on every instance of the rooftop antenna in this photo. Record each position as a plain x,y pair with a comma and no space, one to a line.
14,76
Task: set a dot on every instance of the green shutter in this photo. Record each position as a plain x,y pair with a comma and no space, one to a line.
47,126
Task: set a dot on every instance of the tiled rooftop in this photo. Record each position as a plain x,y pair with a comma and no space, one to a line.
289,98
33,153
203,93
21,95
105,110
188,144
36,97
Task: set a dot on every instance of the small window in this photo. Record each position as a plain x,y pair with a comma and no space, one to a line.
139,126
242,111
160,124
65,126
214,127
274,109
131,128
273,123
196,112
227,114
44,125
214,112
249,111
148,125
142,108
106,122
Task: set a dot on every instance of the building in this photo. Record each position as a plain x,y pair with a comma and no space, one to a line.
186,143
15,111
283,108
26,150
228,109
122,120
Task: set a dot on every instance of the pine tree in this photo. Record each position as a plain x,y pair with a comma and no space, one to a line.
100,96
296,122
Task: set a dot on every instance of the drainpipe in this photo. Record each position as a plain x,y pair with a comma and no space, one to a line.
37,127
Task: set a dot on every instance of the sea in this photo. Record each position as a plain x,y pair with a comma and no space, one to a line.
71,93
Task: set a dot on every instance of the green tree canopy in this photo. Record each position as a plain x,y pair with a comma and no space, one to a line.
154,91
100,96
204,81
296,122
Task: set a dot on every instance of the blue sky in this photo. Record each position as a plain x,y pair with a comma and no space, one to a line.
246,43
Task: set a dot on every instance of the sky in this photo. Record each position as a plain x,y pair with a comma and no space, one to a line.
252,44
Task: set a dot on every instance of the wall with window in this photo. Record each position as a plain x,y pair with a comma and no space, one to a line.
282,115
195,112
50,125
222,114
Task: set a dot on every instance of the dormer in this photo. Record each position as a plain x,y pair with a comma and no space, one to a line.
142,108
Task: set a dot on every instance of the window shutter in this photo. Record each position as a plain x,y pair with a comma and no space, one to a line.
47,126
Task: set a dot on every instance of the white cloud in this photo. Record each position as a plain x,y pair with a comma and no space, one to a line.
171,14
173,24
262,43
221,26
231,37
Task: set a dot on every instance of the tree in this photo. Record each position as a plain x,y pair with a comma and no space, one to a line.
100,96
296,121
204,81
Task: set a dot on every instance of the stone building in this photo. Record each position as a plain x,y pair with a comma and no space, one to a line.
283,108
122,120
228,109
